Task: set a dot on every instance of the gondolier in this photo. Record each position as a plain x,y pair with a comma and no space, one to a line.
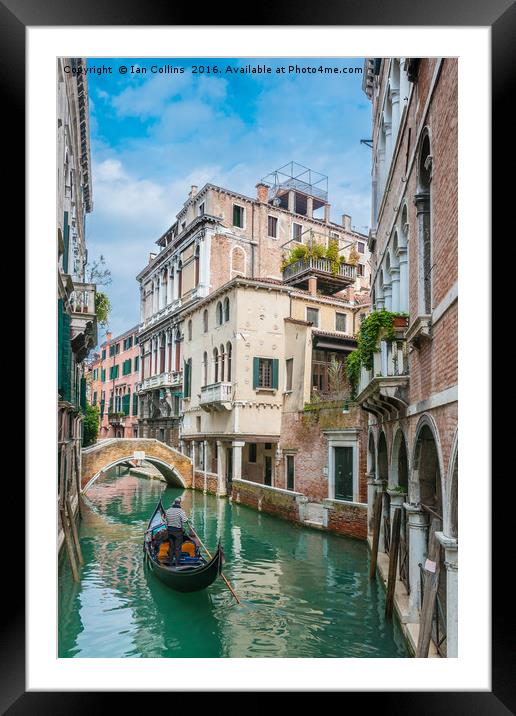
176,522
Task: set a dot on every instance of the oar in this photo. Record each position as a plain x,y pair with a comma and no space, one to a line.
221,574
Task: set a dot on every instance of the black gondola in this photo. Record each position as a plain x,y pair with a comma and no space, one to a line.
194,572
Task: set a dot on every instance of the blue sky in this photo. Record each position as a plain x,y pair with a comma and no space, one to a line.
153,135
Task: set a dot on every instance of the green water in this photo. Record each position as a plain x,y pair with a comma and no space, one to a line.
304,593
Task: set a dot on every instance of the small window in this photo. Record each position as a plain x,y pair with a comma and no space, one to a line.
268,446
340,322
183,226
201,209
312,315
104,354
238,216
272,227
205,321
252,452
198,423
360,247
265,373
297,230
288,378
226,309
190,330
117,348
360,269
290,472
219,313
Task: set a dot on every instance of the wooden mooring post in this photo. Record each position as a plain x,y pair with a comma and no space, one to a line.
377,521
393,562
430,586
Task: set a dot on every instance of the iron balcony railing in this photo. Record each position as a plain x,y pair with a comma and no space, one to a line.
323,265
391,360
216,393
163,380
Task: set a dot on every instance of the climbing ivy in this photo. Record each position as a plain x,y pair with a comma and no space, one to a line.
375,324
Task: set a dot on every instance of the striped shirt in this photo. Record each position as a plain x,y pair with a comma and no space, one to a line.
176,517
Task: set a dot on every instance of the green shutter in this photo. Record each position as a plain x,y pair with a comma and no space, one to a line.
256,373
83,394
110,409
103,375
136,363
126,403
59,343
186,373
275,371
66,363
135,404
66,242
102,405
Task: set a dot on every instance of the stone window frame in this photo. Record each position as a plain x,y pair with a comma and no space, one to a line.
347,437
242,207
313,308
286,455
269,235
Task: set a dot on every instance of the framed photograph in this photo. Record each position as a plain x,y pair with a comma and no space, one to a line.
252,261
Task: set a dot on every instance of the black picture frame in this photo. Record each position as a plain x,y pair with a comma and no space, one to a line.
500,16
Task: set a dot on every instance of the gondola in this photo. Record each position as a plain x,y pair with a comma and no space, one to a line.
194,572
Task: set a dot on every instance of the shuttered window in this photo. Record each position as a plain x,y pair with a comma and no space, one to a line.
103,375
135,404
126,404
265,373
65,354
136,363
66,238
187,373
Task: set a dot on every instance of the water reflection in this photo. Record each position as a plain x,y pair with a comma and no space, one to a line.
304,593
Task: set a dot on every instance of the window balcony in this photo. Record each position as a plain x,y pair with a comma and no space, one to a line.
216,397
328,282
117,420
169,379
83,318
161,314
383,390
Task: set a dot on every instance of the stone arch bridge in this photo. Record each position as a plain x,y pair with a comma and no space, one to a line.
173,465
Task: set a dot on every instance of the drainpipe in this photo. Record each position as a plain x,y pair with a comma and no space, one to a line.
252,242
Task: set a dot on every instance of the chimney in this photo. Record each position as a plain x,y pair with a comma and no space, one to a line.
193,192
108,336
312,285
346,221
262,192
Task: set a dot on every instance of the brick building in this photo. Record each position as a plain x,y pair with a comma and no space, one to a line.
225,270
113,375
411,391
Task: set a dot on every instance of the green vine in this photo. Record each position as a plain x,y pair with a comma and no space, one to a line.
379,324
102,308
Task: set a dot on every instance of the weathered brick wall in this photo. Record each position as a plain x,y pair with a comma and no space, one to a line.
303,432
267,499
211,482
350,520
97,457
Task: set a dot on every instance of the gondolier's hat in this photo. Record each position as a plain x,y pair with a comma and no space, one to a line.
177,501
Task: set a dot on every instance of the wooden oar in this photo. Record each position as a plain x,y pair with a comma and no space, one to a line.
221,574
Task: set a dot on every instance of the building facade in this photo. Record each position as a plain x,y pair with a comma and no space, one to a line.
220,234
410,393
76,317
114,373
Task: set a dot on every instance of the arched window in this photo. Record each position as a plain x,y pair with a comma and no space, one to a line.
219,313
205,368
205,320
226,309
179,279
222,362
228,353
190,330
215,365
423,204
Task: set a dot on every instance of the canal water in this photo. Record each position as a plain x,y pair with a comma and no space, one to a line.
304,593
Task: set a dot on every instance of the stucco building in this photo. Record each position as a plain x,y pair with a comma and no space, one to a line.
411,391
76,317
114,373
